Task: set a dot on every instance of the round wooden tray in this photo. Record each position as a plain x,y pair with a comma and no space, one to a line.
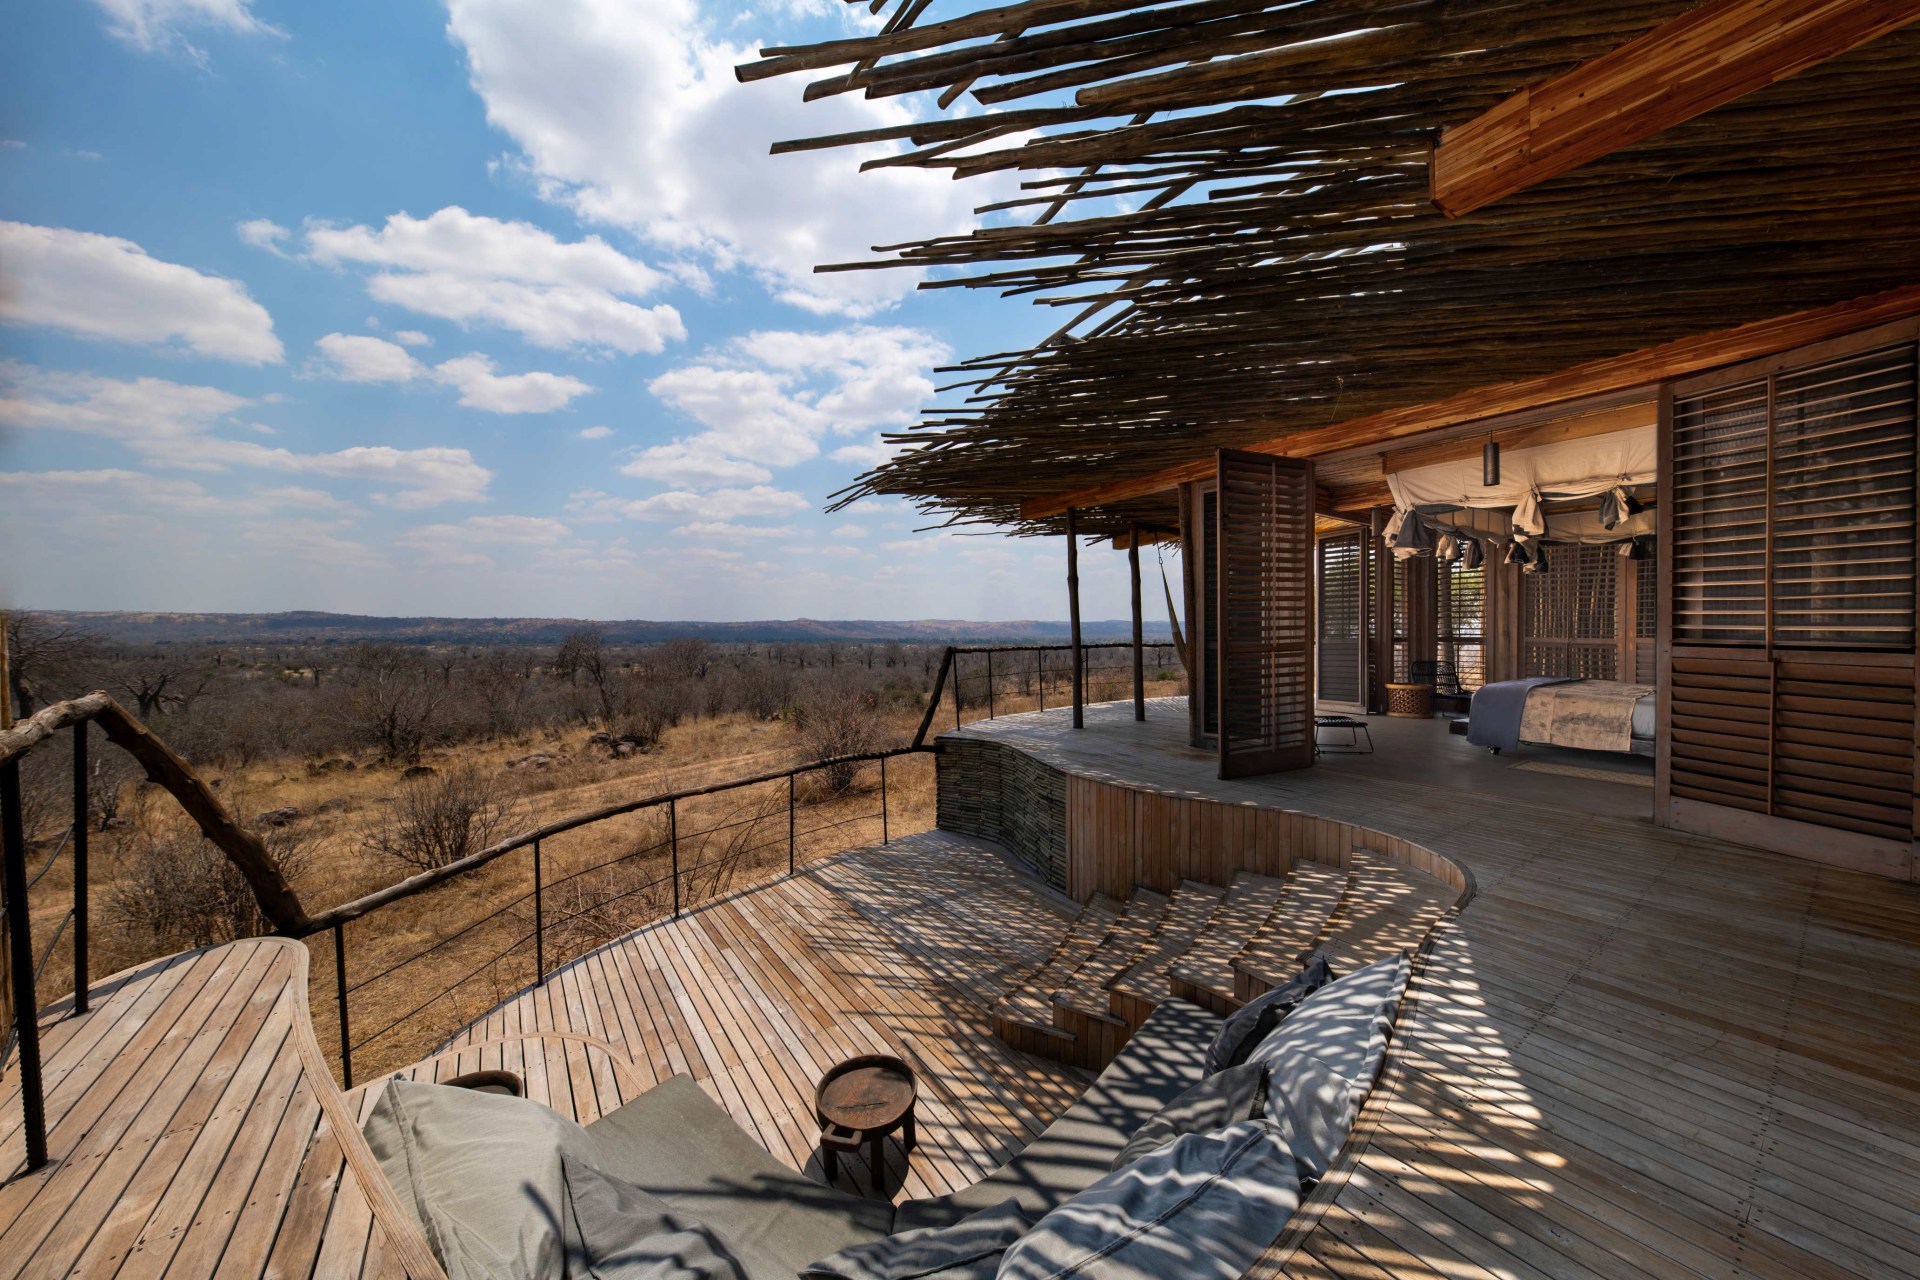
865,1094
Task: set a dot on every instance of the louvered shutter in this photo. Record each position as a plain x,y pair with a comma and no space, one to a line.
1792,596
1572,614
1341,618
1265,538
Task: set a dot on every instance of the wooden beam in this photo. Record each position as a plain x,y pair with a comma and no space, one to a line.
1596,377
1073,622
1606,422
1700,60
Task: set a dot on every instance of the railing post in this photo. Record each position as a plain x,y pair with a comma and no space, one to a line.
790,791
340,996
989,684
539,924
673,842
1040,674
956,691
26,1010
884,839
1073,620
80,890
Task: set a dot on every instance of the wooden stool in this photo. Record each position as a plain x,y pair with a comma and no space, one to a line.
863,1100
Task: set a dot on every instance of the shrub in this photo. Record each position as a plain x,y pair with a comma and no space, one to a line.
839,719
441,818
178,891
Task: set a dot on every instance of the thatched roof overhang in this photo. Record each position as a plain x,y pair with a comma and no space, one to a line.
1280,268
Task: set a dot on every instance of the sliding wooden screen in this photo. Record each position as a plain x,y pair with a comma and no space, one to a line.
1788,602
1264,545
1571,614
1341,653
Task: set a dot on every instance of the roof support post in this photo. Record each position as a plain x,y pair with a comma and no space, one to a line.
1073,621
1139,627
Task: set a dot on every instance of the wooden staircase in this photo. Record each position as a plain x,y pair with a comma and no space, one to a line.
1216,947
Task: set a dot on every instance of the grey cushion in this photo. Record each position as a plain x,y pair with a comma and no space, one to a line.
1223,1098
1162,1060
1255,1020
1324,1059
1207,1206
680,1145
481,1174
968,1250
620,1232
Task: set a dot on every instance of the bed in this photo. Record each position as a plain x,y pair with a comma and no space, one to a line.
1589,715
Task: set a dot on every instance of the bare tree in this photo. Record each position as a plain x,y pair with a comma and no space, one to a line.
584,652
840,719
385,698
440,819
179,891
685,656
43,655
162,681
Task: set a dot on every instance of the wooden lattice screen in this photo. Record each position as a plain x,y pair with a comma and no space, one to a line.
1460,621
1265,537
1571,614
1646,622
1342,616
1792,594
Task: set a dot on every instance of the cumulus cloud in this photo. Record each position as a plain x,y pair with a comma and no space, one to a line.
172,425
359,358
768,398
263,233
465,543
719,504
106,287
631,115
727,531
411,338
594,433
156,25
464,267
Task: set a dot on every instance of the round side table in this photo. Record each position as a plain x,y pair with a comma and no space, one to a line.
862,1100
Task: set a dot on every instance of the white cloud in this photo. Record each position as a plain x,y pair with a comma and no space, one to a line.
154,25
169,424
870,454
767,399
105,287
727,531
12,144
411,338
263,233
631,115
481,388
850,531
720,504
358,358
514,275
461,544
594,433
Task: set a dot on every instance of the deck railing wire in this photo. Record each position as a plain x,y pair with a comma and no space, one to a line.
985,682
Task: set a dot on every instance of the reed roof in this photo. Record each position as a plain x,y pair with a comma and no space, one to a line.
1228,201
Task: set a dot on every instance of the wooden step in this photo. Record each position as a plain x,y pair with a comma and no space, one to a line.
1134,993
1204,974
1388,907
1082,1008
1272,955
1024,1017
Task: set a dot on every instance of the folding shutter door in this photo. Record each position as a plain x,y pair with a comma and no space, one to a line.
1572,616
1341,654
1265,618
1791,628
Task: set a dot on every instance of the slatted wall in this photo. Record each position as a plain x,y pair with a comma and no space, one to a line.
1265,539
1460,622
1646,622
1571,614
1341,619
1792,601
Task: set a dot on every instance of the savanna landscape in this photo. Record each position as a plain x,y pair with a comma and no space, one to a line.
362,763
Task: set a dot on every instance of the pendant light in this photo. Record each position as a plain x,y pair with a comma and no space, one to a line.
1490,464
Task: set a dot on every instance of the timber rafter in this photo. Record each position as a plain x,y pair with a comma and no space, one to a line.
1278,266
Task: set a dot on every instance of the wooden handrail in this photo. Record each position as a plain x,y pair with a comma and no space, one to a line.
278,902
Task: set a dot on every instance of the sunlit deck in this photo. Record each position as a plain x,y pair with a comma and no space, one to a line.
1631,1054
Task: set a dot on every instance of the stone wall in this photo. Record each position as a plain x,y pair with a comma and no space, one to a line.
992,791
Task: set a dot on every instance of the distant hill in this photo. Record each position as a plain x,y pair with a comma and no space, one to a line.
307,627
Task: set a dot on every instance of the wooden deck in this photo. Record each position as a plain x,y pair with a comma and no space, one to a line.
1634,1053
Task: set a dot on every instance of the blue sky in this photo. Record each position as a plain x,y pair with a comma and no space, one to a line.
484,307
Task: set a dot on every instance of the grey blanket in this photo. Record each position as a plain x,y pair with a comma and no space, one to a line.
1493,718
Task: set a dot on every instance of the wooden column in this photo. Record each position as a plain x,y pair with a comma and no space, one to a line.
1139,627
1073,621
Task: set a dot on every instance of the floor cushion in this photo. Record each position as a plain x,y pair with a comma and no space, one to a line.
970,1249
1255,1020
621,1232
1223,1098
1203,1208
